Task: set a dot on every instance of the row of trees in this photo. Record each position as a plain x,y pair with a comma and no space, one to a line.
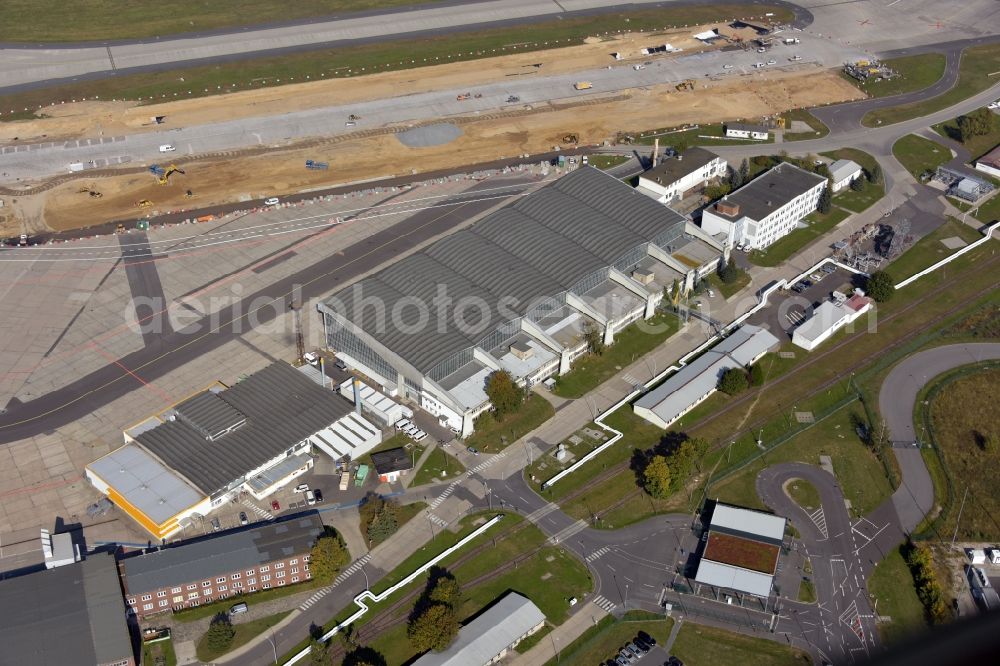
433,623
918,559
665,468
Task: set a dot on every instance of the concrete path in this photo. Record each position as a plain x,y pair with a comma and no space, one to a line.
676,629
560,637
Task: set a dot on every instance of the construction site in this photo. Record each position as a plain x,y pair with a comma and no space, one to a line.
357,152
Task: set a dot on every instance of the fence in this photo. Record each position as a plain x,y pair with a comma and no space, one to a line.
987,234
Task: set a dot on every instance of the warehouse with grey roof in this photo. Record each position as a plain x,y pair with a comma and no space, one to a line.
513,291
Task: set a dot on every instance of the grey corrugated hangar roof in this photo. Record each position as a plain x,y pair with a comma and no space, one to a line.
539,247
282,407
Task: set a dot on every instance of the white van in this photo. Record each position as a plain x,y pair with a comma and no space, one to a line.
310,497
167,148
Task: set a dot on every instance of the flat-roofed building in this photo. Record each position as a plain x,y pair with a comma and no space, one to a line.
72,614
491,635
830,317
392,463
676,177
218,567
747,131
990,163
843,173
741,551
525,282
256,435
765,209
697,380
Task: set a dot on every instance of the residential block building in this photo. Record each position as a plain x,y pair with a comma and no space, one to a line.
200,572
765,209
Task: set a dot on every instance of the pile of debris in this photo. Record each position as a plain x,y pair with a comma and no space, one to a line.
870,71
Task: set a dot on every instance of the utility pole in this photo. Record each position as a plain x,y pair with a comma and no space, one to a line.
959,521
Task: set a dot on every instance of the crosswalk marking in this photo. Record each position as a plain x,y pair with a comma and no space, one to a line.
441,522
567,532
632,381
537,514
344,575
261,513
600,552
444,495
605,603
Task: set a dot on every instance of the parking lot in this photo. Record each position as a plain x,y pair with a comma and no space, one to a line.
789,308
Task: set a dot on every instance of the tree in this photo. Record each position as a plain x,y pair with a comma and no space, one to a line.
734,179
504,393
874,174
744,171
756,375
327,558
713,192
728,272
977,123
319,652
656,477
880,286
433,628
446,591
220,633
733,381
825,201
363,656
858,184
379,517
595,339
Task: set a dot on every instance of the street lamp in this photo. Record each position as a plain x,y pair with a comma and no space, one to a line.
367,586
274,647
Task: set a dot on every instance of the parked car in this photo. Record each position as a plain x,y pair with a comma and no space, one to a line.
628,656
674,661
310,497
418,435
312,358
727,67
634,649
275,506
621,661
271,201
239,608
302,487
340,365
216,525
711,293
643,646
646,638
402,424
319,495
771,62
473,450
243,518
167,148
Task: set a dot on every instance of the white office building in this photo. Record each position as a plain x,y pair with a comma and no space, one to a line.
766,208
744,131
843,173
830,317
675,177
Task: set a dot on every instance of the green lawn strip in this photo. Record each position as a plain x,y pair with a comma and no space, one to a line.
713,134
807,592
891,584
977,64
546,466
493,436
919,155
56,21
534,639
606,162
782,249
872,192
245,632
929,249
818,131
633,342
439,465
804,494
223,606
915,73
729,289
164,649
977,145
404,514
603,640
697,644
989,212
362,59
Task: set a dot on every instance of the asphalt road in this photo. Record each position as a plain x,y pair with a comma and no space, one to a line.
173,349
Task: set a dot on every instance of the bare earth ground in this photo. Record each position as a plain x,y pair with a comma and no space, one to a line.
485,138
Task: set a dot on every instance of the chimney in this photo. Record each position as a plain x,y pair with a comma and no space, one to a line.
656,150
357,395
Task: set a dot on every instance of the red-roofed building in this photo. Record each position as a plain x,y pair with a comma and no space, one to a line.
990,163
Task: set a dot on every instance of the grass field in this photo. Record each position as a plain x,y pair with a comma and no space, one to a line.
356,59
404,514
492,436
727,290
848,198
698,645
245,631
819,129
607,161
964,417
635,341
916,73
892,585
929,249
977,64
804,494
56,21
163,649
861,476
977,145
807,592
223,606
919,155
439,465
704,135
989,212
779,251
602,642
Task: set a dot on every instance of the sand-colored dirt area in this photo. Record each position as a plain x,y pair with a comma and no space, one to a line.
483,139
111,118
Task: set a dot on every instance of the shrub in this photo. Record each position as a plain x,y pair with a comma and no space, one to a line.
880,286
734,381
220,633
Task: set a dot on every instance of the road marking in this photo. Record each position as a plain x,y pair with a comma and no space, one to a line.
598,553
605,603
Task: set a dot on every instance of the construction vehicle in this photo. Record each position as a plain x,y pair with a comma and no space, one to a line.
687,84
120,229
311,164
463,97
353,117
571,138
583,85
93,193
513,99
143,203
164,174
